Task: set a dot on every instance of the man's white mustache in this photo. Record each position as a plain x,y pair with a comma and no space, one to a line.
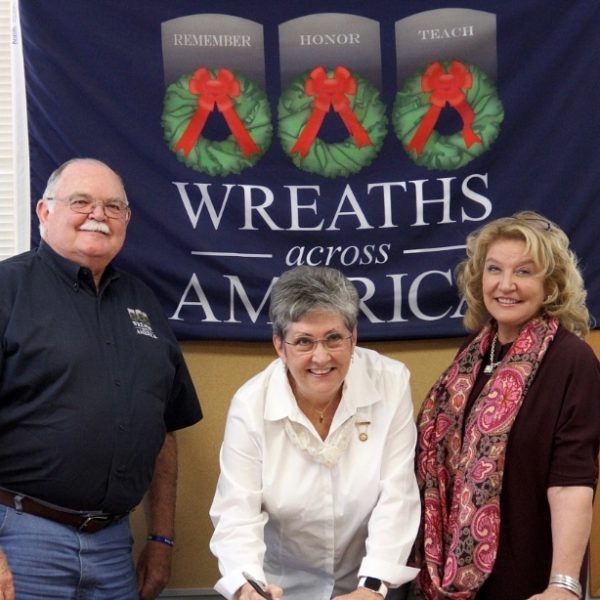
95,226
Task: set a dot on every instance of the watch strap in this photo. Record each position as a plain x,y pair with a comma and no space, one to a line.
373,584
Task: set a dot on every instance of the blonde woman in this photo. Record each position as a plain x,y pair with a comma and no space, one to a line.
508,436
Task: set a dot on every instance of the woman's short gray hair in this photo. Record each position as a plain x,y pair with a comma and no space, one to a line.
304,289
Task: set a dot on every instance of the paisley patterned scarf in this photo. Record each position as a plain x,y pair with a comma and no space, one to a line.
460,475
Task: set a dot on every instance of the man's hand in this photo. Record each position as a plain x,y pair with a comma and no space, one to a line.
153,570
154,563
7,588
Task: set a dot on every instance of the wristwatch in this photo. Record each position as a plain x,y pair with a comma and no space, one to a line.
373,584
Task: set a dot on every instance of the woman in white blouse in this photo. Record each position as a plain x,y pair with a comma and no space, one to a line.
317,497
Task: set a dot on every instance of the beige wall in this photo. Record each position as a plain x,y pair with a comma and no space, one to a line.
218,369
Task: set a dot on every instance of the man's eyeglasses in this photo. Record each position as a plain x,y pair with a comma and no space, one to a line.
113,209
334,341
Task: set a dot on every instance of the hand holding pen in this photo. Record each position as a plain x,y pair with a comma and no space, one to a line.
271,592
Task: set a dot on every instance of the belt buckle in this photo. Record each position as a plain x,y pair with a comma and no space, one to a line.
105,520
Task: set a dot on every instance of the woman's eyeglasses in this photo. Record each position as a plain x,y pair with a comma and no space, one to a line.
334,341
537,222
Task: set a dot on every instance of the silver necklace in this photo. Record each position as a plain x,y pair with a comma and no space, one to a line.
493,364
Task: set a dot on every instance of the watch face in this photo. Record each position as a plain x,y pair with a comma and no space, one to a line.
372,584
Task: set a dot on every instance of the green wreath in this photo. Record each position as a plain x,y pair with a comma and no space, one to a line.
303,106
187,105
418,104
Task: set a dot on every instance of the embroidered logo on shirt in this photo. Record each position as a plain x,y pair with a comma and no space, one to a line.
141,322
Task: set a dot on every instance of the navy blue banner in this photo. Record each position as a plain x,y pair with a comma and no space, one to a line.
367,136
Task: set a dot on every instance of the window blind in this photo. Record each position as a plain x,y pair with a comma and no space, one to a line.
14,149
7,212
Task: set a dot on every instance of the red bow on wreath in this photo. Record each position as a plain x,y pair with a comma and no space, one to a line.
445,88
215,92
330,92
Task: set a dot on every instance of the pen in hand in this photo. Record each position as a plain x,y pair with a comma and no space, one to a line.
260,590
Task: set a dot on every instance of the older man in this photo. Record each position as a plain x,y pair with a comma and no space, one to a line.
92,387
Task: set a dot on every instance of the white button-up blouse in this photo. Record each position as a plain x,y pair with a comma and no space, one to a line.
313,515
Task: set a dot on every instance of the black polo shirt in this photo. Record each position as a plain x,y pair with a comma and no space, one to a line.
89,383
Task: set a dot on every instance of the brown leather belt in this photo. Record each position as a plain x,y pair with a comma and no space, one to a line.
84,522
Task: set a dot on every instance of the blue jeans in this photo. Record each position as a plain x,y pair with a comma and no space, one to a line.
50,560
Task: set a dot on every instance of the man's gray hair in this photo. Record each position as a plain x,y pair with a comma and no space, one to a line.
304,289
55,175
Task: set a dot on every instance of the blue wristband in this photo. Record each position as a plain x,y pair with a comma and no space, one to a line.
163,539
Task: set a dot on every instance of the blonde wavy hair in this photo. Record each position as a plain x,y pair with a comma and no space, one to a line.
548,246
